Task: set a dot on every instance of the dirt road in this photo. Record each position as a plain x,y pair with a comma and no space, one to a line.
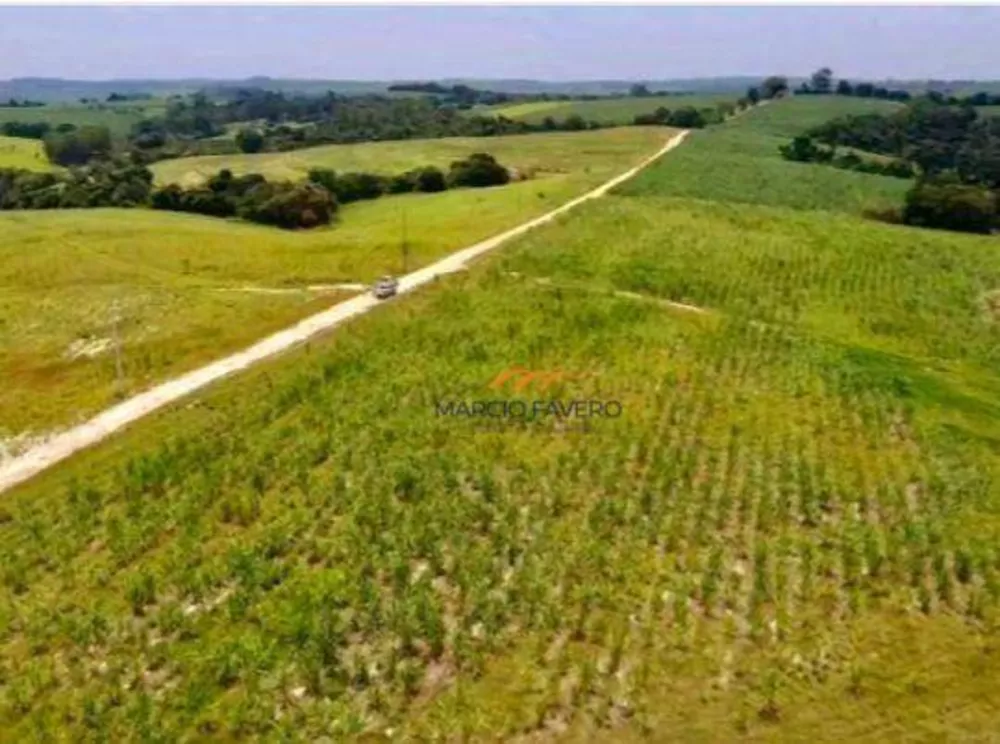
61,446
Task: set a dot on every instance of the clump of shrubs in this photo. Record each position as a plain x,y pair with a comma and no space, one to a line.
944,203
250,140
102,184
950,205
426,180
477,171
252,197
110,183
27,129
803,149
687,117
78,146
891,168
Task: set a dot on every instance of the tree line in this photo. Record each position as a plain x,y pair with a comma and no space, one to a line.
122,183
316,201
194,127
464,96
32,129
803,149
267,121
274,122
687,117
821,82
14,103
351,129
952,150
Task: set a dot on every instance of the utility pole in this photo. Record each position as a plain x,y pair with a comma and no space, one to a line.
116,334
404,246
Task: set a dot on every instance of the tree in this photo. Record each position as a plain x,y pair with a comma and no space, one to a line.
250,140
686,117
78,147
324,177
26,130
639,90
774,86
978,160
822,80
430,180
753,95
844,88
478,170
951,206
290,206
402,183
802,150
357,186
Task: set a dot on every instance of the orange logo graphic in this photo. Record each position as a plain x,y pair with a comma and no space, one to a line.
521,378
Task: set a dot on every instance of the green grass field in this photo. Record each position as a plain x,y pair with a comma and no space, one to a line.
790,533
117,117
16,152
607,111
551,153
739,162
61,271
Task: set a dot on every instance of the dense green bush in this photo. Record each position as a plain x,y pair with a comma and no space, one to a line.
250,140
26,130
289,206
430,180
78,147
105,184
477,171
687,117
252,197
402,183
951,206
351,187
892,168
324,177
803,149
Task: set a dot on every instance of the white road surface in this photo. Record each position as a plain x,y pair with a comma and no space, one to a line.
59,447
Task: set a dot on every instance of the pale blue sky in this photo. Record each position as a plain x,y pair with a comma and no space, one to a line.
553,43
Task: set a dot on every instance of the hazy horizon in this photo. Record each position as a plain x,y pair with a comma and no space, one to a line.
555,43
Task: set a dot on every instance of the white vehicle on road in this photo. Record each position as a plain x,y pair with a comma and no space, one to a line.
385,287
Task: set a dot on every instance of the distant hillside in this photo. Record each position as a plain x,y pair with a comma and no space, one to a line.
57,89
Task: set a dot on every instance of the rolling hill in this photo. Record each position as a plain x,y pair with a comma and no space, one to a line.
177,279
788,530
